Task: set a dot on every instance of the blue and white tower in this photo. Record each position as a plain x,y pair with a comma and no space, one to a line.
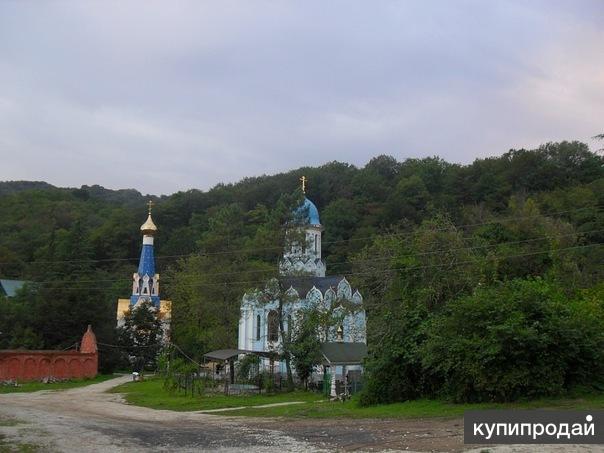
145,282
305,259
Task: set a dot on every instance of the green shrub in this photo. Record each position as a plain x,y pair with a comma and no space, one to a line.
267,382
394,368
520,339
248,368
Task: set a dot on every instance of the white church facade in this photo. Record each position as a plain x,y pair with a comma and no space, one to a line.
303,285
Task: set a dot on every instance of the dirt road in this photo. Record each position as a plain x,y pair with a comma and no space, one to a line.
88,419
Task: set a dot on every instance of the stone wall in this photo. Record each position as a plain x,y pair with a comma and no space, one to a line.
24,365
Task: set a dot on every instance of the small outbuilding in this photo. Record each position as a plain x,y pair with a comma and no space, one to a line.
344,354
227,358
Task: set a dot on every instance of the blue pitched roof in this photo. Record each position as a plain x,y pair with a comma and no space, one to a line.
310,212
10,287
146,265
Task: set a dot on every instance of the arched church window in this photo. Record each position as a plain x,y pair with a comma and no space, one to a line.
316,243
151,286
273,326
257,327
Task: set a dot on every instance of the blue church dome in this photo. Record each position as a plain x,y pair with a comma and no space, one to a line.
310,211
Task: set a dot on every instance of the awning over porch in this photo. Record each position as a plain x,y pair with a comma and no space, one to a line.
227,354
340,353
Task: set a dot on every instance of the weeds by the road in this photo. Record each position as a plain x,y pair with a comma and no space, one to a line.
152,394
7,446
35,386
9,421
412,409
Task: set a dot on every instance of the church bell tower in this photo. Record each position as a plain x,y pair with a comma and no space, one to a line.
145,281
305,259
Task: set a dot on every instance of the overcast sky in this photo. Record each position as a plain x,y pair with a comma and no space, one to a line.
163,96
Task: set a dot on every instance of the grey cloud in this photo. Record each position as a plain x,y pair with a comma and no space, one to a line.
168,96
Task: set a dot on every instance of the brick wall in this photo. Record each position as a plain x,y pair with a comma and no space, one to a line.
24,365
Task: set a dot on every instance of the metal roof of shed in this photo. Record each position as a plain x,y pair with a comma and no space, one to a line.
340,353
10,287
226,354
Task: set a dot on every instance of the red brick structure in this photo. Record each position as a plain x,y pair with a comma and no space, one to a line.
24,365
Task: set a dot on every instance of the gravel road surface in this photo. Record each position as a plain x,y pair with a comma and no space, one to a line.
87,419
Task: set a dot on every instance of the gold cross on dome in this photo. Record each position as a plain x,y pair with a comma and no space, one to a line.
303,179
150,205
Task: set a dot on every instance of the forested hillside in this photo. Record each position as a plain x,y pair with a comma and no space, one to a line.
463,267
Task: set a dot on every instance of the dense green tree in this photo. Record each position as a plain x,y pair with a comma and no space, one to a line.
207,287
343,216
306,344
414,235
141,336
408,201
519,339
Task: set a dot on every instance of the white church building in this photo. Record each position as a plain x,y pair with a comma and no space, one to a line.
305,285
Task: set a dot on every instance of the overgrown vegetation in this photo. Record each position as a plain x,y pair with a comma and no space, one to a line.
141,336
152,393
63,385
468,272
418,408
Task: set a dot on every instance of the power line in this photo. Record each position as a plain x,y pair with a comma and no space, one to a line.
241,251
384,270
115,346
343,263
74,346
185,354
124,347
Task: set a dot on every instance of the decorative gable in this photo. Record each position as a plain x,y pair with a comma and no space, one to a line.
314,296
344,290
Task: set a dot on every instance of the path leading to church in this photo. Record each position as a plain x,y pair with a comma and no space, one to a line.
88,419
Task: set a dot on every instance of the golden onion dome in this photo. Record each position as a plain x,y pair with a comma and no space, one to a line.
148,227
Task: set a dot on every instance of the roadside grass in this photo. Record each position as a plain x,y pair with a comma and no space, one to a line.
9,421
414,409
35,386
151,394
7,446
